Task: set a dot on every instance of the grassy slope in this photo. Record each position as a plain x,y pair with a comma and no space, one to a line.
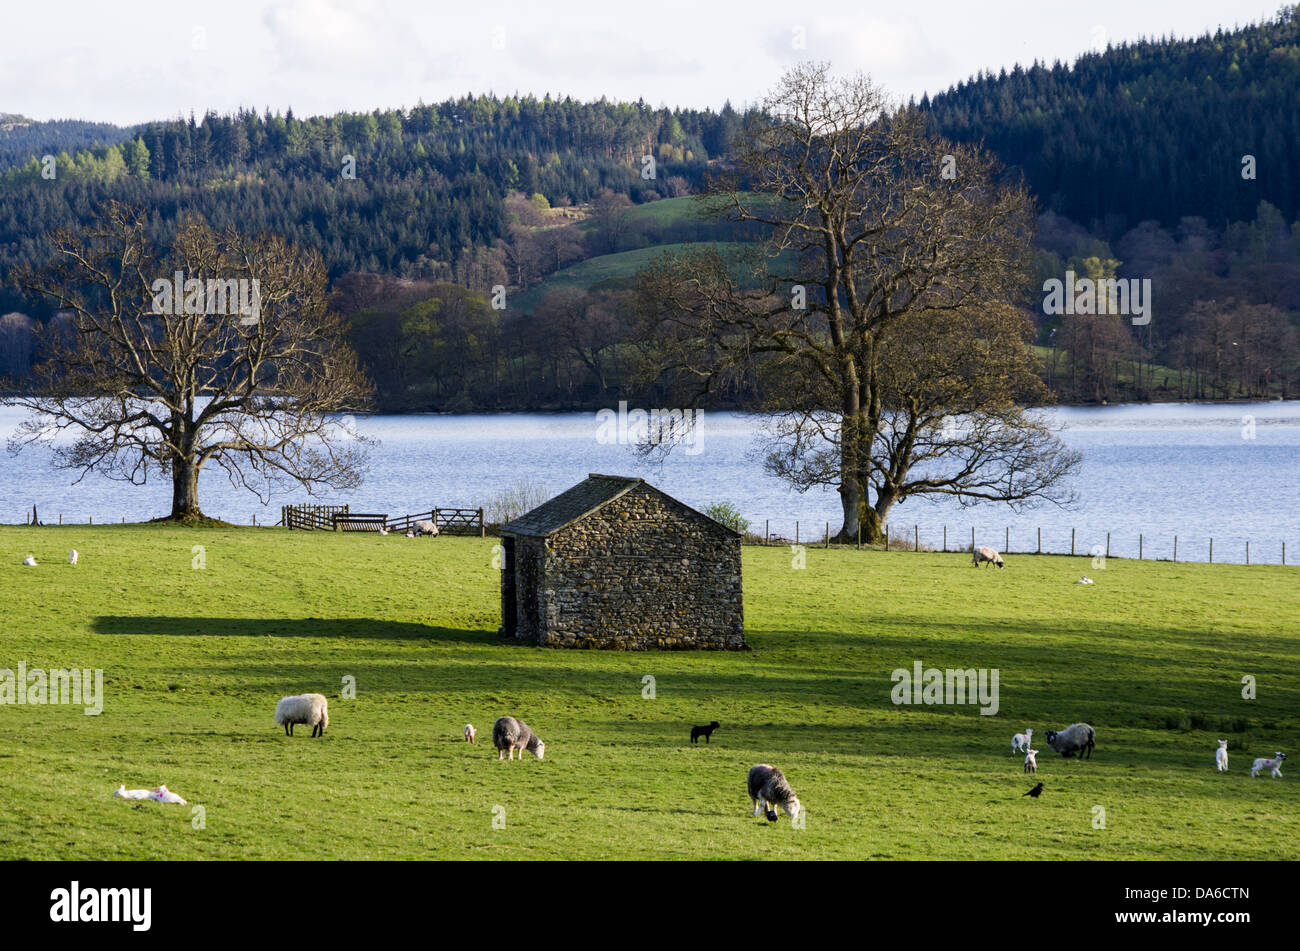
194,661
608,267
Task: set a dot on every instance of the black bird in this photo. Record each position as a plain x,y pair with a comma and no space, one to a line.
1035,791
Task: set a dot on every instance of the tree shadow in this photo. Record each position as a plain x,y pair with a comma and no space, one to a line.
363,628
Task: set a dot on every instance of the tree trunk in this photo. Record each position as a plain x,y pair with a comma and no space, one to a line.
185,481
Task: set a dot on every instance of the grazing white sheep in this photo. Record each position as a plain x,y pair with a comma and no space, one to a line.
311,709
1221,756
768,789
509,734
30,561
982,554
1075,738
72,557
123,793
426,527
1273,765
163,794
1020,742
470,733
1031,764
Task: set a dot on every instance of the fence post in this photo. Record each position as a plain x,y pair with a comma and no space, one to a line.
92,522
1139,547
1247,552
255,520
1175,548
1071,543
945,539
796,532
60,518
1006,544
828,535
1108,544
1211,551
886,538
1284,553
916,538
482,529
767,531
972,539
1040,540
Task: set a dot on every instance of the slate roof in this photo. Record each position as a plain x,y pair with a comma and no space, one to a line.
577,503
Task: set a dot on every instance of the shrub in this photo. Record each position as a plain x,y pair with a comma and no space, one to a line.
514,500
728,515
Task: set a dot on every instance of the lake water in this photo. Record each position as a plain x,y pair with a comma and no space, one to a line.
1195,471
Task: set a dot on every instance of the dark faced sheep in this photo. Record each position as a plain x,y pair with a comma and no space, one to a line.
1075,738
768,789
982,554
509,734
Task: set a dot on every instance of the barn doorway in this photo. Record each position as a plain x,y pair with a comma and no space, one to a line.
509,598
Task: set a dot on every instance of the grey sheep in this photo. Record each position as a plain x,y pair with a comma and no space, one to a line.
767,786
1075,738
509,734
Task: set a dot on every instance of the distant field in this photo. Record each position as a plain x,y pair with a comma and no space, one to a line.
194,660
607,267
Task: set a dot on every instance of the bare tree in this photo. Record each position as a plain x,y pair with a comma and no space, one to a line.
168,363
872,221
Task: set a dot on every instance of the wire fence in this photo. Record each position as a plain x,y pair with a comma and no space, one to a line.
1139,545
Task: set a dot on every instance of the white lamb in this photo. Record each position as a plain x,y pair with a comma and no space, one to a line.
1020,742
122,792
163,794
1273,765
1221,756
1031,764
311,709
72,557
30,561
470,733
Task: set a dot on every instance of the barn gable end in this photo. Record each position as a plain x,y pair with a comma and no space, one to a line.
615,563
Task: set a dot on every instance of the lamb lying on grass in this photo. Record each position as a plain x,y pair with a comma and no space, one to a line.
1020,742
509,734
122,792
767,786
30,561
1273,765
158,794
310,709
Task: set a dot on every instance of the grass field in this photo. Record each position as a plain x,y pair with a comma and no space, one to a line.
194,660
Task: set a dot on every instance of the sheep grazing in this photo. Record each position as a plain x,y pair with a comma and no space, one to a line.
163,794
1020,742
311,709
30,561
509,734
470,733
122,792
982,554
1031,764
1273,765
426,527
768,789
1221,756
1075,738
72,557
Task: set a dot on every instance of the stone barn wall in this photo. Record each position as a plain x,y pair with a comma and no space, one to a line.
639,573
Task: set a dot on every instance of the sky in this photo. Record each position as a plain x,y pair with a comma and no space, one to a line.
138,60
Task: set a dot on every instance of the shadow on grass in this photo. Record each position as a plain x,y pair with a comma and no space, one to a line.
363,628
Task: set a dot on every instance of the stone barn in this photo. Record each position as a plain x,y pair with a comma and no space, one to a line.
615,563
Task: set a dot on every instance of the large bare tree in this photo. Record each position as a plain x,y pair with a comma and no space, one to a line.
872,222
218,351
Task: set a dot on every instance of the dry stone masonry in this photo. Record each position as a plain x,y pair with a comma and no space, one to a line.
615,563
